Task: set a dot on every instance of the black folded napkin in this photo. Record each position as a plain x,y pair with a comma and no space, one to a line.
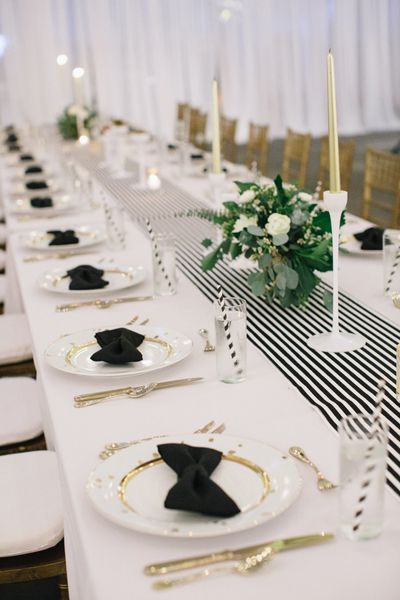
33,169
371,238
194,490
118,346
26,157
36,185
14,148
224,170
197,156
86,277
172,146
41,202
63,237
12,138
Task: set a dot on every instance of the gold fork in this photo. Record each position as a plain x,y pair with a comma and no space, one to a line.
112,447
322,482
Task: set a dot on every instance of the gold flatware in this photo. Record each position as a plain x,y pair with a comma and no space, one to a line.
243,567
322,482
100,303
208,347
113,447
236,554
59,255
134,392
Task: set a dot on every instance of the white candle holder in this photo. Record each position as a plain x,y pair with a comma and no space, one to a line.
336,340
217,183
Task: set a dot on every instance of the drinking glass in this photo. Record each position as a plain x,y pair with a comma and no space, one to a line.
236,313
164,268
391,261
362,458
115,226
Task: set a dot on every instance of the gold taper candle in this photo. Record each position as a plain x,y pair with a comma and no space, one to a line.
334,168
216,141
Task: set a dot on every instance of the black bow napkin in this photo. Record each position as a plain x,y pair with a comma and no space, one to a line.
41,202
371,238
63,237
194,490
172,147
26,157
197,156
11,138
118,346
86,277
33,169
36,185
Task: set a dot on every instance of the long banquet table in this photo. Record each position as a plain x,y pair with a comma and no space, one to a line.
106,561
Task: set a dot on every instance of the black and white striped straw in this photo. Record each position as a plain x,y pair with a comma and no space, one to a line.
232,351
157,253
370,464
395,266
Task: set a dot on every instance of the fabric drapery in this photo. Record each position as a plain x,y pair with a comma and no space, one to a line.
141,57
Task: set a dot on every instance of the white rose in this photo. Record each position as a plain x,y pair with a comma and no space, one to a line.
247,196
78,111
304,196
277,224
73,110
243,222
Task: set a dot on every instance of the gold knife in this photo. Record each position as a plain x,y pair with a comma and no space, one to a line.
237,554
102,303
126,390
38,257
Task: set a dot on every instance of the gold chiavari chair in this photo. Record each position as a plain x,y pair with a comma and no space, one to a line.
181,119
346,156
197,127
228,134
257,147
296,153
181,111
381,195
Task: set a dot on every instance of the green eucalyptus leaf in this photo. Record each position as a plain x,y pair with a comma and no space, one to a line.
328,300
257,283
279,240
235,250
292,278
281,281
244,186
265,261
255,230
231,205
207,243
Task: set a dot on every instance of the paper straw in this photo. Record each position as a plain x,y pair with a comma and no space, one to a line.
157,253
393,271
221,302
370,465
119,233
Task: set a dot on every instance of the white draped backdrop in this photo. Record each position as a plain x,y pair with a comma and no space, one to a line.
143,56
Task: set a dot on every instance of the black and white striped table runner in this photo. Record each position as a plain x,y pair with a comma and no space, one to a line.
336,384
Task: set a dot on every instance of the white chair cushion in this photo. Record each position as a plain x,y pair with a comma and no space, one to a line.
2,259
2,288
31,517
15,339
20,417
3,232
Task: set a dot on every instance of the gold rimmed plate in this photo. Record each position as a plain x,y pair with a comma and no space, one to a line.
87,235
130,487
120,277
161,348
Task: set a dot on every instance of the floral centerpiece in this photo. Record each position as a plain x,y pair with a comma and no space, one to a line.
67,122
285,234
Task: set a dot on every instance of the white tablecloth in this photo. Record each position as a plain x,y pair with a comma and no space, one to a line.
106,561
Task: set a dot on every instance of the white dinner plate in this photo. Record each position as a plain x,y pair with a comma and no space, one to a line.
61,203
119,277
352,246
130,487
162,347
87,235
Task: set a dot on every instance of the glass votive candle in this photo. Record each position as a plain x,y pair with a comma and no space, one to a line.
164,264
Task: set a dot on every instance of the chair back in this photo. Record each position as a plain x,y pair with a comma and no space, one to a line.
296,153
197,127
346,156
228,134
257,147
381,194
